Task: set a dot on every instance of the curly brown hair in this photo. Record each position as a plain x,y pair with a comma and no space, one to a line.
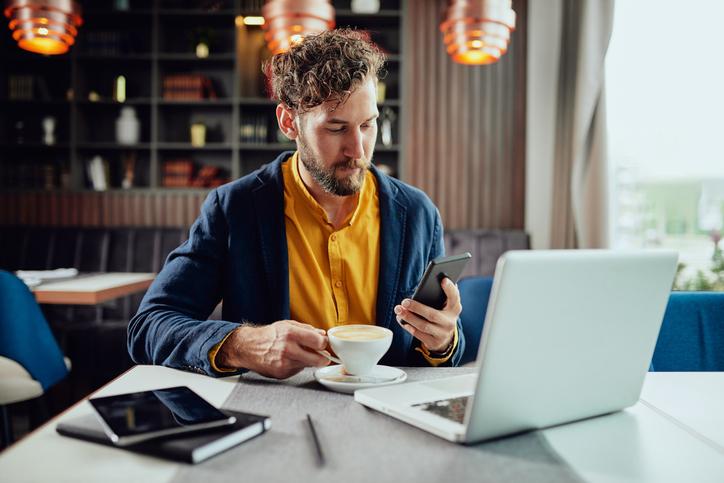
323,67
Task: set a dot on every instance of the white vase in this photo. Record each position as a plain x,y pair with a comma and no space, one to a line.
128,128
49,130
365,6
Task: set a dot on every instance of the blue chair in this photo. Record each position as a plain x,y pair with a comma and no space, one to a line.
474,295
30,359
692,333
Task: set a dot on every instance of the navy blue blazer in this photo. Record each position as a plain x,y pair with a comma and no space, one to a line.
237,251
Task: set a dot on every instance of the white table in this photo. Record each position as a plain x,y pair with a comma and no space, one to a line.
695,400
652,441
92,289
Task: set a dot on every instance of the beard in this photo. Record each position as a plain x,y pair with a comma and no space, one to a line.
327,177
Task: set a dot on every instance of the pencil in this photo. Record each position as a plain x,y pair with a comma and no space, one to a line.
320,455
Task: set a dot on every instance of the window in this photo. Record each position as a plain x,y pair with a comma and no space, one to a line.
665,109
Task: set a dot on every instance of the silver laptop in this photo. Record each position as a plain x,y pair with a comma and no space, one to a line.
568,334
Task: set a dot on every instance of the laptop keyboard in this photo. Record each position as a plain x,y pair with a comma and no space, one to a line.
453,408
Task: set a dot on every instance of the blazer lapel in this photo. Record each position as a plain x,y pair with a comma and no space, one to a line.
269,208
393,216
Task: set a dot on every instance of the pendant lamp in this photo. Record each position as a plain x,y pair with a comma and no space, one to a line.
44,26
477,31
288,21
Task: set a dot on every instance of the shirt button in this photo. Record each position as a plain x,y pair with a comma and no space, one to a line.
338,283
333,237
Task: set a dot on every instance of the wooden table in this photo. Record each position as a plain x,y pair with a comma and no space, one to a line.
92,289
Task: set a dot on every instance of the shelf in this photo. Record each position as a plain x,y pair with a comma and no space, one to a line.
183,12
190,57
130,12
139,101
189,147
267,146
256,101
114,146
150,42
36,102
195,103
22,55
114,57
34,145
341,13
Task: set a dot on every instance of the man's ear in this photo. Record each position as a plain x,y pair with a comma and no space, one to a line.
285,119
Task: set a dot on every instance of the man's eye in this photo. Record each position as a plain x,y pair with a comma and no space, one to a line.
336,130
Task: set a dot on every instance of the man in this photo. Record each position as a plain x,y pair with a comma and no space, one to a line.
317,238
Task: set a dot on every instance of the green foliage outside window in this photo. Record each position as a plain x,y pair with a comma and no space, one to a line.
709,280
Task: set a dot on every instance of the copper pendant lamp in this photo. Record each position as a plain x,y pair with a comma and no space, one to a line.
477,31
44,26
288,21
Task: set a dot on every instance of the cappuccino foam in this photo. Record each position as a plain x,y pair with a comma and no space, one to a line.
359,333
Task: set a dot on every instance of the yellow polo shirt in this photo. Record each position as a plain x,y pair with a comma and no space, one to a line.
333,274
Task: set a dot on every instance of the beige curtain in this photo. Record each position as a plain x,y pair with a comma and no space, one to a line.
580,178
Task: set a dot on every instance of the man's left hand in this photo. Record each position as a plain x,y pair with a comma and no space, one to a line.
434,328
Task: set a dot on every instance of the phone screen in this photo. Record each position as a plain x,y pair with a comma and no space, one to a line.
152,411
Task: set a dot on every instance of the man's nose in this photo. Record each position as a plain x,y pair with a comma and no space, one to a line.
354,147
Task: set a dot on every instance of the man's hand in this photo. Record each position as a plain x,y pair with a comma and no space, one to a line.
278,350
434,328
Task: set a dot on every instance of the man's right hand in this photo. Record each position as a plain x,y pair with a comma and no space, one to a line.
278,350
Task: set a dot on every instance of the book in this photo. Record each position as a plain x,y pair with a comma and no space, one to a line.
189,447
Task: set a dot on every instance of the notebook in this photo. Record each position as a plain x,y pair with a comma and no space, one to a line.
190,448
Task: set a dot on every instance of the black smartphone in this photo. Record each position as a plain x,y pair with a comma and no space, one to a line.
139,416
429,291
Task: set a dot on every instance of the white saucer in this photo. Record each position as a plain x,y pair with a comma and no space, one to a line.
333,378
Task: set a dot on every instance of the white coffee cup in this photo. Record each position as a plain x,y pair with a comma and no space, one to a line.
359,346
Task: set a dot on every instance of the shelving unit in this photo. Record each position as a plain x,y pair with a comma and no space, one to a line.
145,45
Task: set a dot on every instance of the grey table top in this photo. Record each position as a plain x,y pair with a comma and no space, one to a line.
361,444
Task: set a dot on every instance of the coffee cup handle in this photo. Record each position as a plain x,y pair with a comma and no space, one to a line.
329,356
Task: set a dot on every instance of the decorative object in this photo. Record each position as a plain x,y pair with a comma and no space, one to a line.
49,130
254,128
385,169
128,128
387,118
119,89
202,50
381,92
177,173
477,31
201,39
19,132
198,135
46,27
286,22
188,86
365,6
98,173
129,169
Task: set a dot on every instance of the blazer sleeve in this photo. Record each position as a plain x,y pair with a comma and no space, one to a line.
170,327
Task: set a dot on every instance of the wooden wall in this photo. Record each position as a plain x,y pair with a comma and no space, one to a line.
464,130
132,208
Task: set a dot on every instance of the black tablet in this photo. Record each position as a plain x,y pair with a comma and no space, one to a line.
139,416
